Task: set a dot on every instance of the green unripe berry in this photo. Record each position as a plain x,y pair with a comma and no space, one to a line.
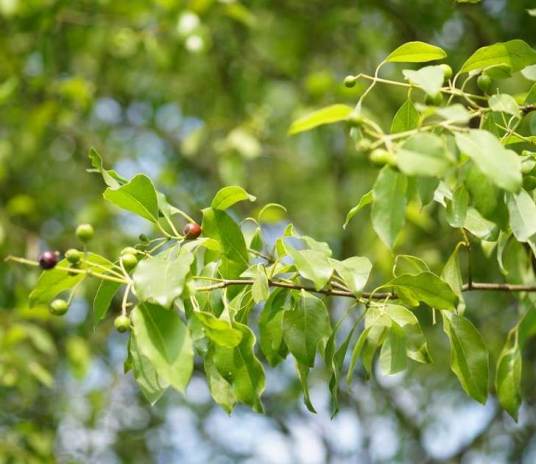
122,323
447,71
529,183
85,232
484,82
381,157
350,81
58,307
129,261
434,100
129,251
73,255
363,145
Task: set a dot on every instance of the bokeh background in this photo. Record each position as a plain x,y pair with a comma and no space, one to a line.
199,94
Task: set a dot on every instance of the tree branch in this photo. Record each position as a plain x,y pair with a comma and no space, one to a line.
475,286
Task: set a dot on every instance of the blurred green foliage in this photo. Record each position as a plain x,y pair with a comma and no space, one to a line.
198,94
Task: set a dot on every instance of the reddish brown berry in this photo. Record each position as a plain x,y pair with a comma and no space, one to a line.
192,230
48,259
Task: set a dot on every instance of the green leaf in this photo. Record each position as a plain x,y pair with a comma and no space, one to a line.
160,279
103,299
407,264
165,341
110,177
455,114
219,226
457,207
501,166
531,96
305,327
55,281
393,351
228,196
303,375
328,115
220,331
423,155
429,78
508,375
365,200
504,103
240,367
221,391
406,118
453,276
312,265
260,289
271,327
529,72
425,287
516,54
356,353
389,206
522,211
137,196
354,272
415,52
150,384
469,358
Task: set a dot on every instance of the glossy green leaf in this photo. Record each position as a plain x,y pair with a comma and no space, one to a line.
429,78
145,374
260,289
312,265
406,118
522,210
221,391
469,358
389,206
305,327
228,196
328,115
220,331
427,288
165,341
354,272
160,279
137,196
508,375
365,200
453,276
271,327
103,299
515,54
110,177
240,367
219,226
504,103
457,207
501,166
423,155
407,264
303,375
416,52
393,351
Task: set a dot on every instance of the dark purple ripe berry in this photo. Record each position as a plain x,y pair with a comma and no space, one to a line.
48,259
192,230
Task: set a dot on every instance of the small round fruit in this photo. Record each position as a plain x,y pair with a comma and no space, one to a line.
129,261
48,259
129,251
484,82
122,323
381,157
363,145
349,81
58,307
73,255
192,230
434,100
85,232
447,71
